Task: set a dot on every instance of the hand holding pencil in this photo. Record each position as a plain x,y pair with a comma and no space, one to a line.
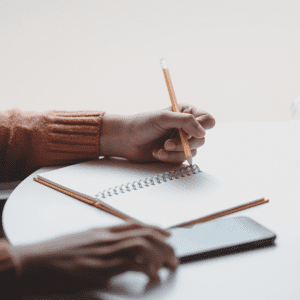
192,123
169,135
153,136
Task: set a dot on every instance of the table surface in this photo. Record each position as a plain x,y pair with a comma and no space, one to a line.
264,154
238,60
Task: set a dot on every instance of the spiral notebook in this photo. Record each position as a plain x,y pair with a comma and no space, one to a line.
160,194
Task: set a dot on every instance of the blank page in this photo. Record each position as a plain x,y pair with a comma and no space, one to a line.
163,204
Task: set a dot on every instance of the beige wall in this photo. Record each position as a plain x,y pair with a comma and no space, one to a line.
239,60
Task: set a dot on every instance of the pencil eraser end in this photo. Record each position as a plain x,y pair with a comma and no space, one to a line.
164,63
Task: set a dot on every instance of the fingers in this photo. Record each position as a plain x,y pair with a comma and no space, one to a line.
147,232
143,247
131,248
176,145
89,262
168,120
205,119
148,256
126,226
134,225
147,259
171,156
152,258
109,236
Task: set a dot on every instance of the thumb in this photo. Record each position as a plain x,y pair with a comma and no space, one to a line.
187,122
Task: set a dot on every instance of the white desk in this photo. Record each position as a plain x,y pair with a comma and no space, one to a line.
268,151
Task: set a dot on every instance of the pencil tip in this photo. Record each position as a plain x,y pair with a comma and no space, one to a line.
190,160
163,63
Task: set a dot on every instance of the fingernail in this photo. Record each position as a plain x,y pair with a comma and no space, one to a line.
155,152
163,154
170,146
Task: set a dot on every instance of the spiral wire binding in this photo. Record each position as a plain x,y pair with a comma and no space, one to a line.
148,181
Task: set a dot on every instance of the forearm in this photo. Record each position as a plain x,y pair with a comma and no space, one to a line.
113,130
16,282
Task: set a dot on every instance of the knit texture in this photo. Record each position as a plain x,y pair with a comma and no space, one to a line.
31,140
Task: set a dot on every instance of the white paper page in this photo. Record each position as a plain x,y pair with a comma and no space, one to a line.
90,178
164,204
180,200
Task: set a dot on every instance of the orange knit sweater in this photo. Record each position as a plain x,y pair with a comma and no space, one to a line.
30,140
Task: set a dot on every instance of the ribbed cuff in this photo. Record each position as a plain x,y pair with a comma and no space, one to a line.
69,136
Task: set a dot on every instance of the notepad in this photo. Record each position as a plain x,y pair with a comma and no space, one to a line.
159,194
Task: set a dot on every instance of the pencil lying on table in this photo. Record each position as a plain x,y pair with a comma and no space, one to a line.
175,106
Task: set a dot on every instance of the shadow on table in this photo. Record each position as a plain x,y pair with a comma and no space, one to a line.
131,285
134,285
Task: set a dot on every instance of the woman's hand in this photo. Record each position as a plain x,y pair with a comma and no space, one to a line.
154,136
91,258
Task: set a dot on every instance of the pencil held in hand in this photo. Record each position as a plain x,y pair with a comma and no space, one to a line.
175,106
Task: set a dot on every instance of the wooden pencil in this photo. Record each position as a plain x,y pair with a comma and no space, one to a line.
175,106
225,212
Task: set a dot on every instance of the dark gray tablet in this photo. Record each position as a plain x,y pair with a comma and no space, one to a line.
219,237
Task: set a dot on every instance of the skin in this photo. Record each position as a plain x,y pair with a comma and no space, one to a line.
154,136
91,258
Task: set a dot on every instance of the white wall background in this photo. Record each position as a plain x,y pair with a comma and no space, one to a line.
239,60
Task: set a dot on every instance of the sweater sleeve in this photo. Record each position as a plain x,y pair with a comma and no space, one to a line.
30,140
